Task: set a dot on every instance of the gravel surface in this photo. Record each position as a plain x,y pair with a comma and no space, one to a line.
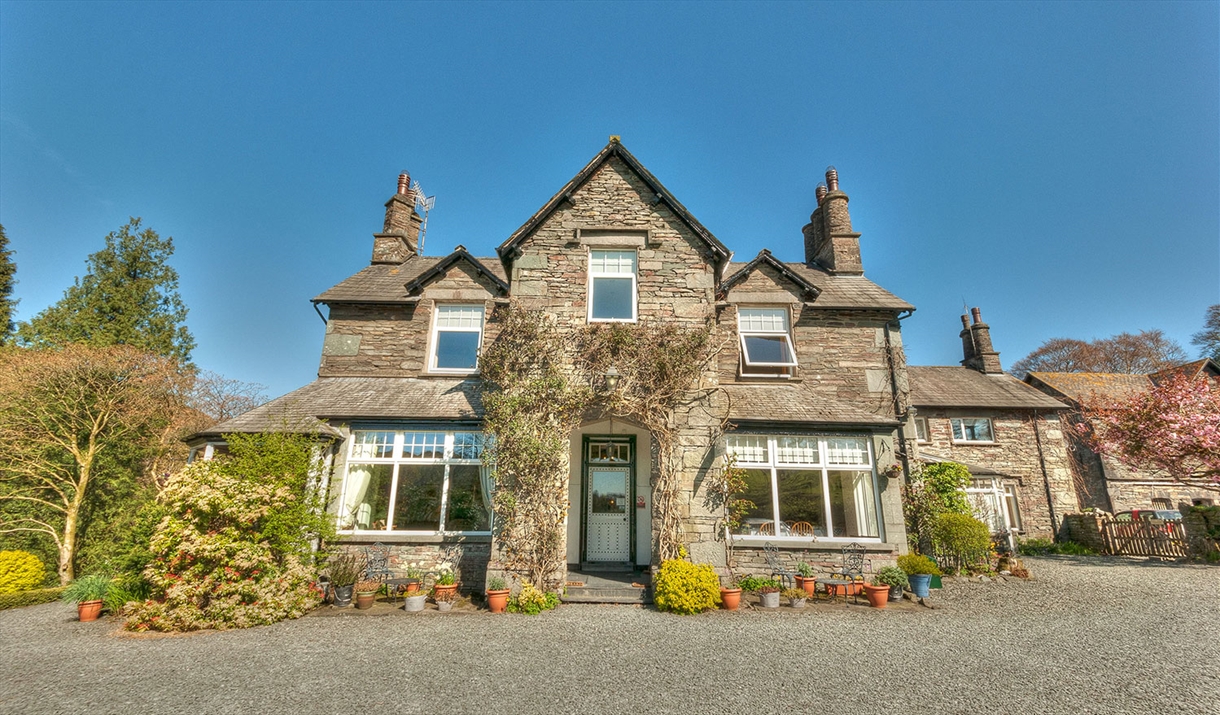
1084,636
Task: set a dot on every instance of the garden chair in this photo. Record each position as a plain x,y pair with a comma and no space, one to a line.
767,529
377,564
853,564
802,528
787,577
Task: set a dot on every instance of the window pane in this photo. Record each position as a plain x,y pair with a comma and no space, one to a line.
747,448
853,510
467,445
985,504
612,261
466,510
612,299
760,518
972,429
797,450
366,496
1010,503
423,445
774,320
372,445
418,503
847,450
608,491
456,350
459,316
767,349
921,429
801,502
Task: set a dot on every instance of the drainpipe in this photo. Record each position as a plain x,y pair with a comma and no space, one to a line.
1046,482
898,412
319,312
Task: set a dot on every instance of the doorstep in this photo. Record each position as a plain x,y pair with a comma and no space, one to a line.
606,587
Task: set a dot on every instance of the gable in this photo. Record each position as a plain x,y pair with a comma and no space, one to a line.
458,276
766,280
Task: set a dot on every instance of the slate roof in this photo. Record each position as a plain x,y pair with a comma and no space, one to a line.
386,282
838,291
343,398
975,469
1078,385
952,386
1191,370
788,403
764,257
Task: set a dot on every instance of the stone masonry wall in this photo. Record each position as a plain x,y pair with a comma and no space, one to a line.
1014,453
471,555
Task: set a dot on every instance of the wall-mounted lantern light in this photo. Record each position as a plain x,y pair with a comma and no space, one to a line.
612,378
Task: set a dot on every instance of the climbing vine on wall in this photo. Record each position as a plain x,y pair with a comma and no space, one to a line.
542,381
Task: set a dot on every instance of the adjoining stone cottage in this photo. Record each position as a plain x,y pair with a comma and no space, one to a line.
814,382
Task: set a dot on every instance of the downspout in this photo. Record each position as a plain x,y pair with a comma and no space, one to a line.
899,413
1046,482
319,312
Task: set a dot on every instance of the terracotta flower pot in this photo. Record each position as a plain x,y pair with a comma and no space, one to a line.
730,598
497,601
809,584
364,601
412,586
439,589
878,596
88,610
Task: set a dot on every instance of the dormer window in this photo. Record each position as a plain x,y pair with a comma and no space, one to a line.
766,346
612,286
457,334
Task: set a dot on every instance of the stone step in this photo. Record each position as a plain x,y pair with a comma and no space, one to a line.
586,594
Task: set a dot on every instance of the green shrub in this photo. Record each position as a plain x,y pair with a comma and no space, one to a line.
531,601
685,588
93,587
917,565
757,584
892,576
33,597
1044,547
960,541
20,571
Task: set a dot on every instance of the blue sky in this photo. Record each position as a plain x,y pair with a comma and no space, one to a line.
1056,164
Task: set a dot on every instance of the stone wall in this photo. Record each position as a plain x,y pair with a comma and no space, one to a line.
1200,525
824,558
1086,530
429,553
1015,453
1141,495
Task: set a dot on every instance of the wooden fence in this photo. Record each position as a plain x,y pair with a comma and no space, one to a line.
1145,538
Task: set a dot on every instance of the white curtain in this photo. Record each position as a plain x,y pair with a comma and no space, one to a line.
357,512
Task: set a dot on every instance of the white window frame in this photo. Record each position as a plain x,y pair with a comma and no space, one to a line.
926,437
785,332
435,335
397,459
955,423
772,461
635,284
1012,507
984,493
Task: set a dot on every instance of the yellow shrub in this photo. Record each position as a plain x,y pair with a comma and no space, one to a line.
20,571
686,588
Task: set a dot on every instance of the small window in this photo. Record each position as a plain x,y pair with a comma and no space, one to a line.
609,452
921,429
1012,507
766,346
457,336
972,429
612,286
1162,504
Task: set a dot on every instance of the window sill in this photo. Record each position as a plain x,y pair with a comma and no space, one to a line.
870,544
972,443
394,538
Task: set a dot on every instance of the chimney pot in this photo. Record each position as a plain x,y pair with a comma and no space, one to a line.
404,183
820,192
965,322
832,178
977,314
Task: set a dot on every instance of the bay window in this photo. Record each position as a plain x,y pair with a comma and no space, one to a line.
803,486
415,481
995,504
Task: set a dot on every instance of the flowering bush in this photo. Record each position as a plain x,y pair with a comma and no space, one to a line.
686,588
233,551
531,601
20,571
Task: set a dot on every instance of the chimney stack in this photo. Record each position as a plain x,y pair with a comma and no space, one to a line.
399,237
980,355
829,240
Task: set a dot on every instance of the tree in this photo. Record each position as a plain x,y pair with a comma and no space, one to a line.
932,490
128,296
1138,354
221,398
71,422
1172,429
1208,339
7,281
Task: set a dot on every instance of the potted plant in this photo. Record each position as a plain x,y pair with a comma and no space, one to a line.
88,593
344,569
895,578
805,578
444,599
416,601
919,570
730,595
878,594
414,577
366,593
497,594
796,597
766,588
446,582
723,495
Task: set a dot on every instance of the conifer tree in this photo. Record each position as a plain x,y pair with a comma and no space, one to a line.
7,280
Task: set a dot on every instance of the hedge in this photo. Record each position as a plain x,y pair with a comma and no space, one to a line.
33,597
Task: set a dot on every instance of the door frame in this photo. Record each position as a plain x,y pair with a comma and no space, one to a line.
628,439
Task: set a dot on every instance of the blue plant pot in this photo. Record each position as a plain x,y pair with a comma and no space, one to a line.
919,584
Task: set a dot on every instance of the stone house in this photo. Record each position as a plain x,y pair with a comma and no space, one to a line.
812,382
1009,436
1105,483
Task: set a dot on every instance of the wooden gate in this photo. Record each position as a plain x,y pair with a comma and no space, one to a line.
1145,538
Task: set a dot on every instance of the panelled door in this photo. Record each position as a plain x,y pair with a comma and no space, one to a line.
608,514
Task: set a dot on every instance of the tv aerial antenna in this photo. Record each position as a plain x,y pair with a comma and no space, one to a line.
426,205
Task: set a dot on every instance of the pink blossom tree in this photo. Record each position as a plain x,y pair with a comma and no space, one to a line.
1173,429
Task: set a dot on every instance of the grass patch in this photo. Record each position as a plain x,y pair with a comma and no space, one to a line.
1046,547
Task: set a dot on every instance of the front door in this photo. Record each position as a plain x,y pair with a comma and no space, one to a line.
608,514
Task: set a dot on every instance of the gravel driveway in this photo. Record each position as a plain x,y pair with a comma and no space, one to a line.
1085,636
